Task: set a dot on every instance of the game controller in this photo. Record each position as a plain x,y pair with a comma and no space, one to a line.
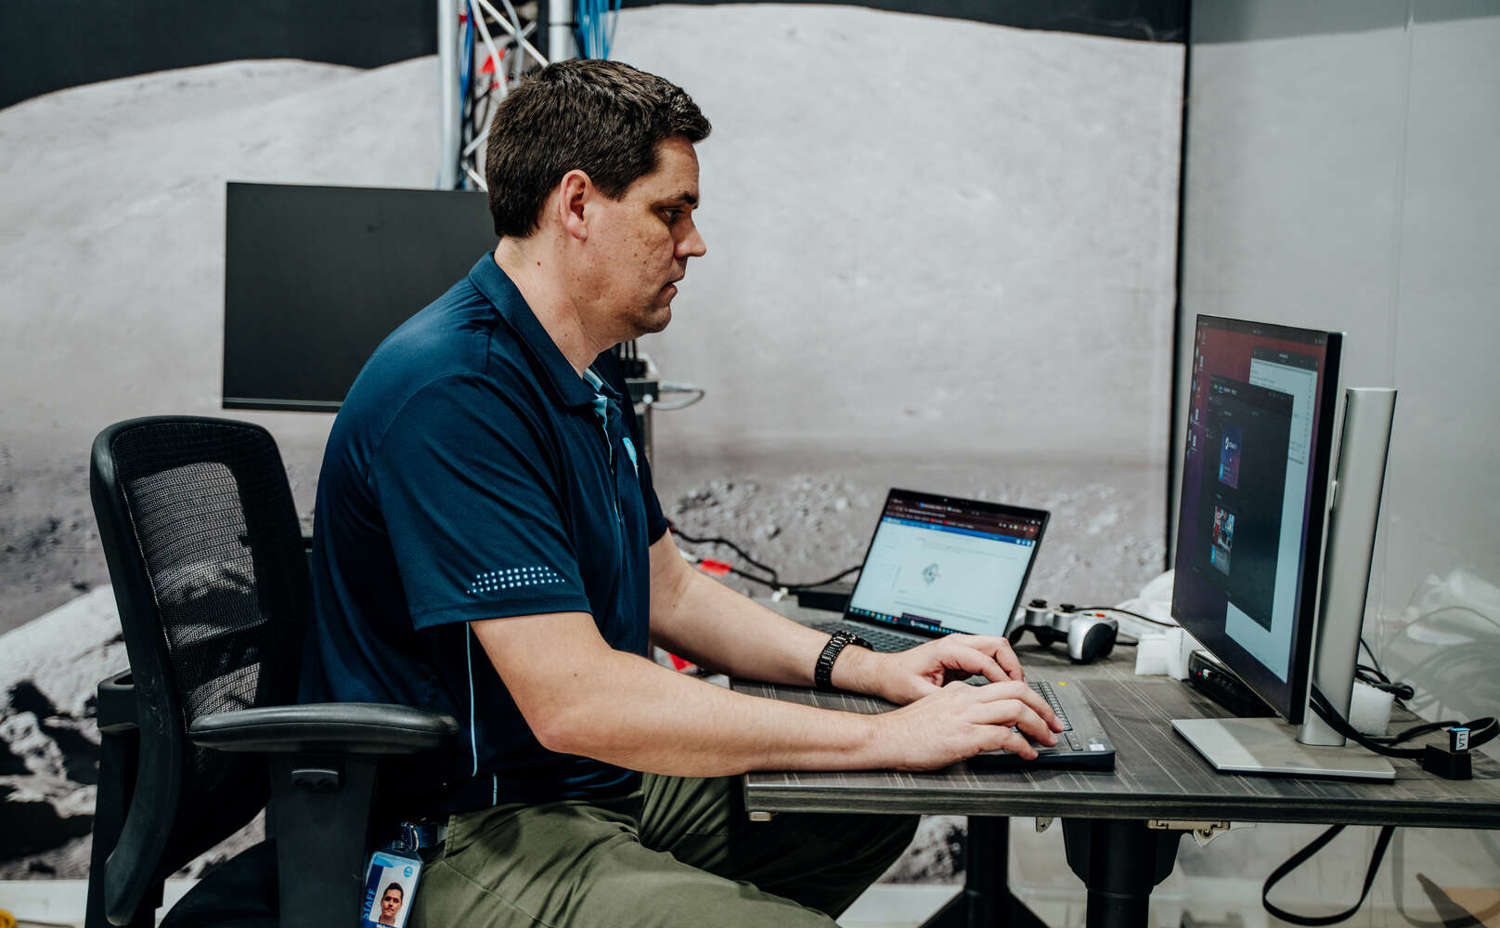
1089,635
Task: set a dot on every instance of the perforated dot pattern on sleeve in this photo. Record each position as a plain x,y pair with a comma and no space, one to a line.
510,578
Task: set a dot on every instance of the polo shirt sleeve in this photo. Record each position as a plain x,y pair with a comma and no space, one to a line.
469,490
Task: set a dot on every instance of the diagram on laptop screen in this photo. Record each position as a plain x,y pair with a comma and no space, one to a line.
940,575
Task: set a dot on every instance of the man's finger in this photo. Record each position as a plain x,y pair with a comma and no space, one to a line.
1005,656
972,661
1004,739
1018,714
997,649
1022,692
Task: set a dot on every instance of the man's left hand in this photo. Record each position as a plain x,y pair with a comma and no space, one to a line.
906,676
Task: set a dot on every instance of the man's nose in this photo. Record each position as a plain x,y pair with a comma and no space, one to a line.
692,244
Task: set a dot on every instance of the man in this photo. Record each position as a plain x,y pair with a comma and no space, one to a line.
488,544
390,903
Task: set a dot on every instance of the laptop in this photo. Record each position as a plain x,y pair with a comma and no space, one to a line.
939,565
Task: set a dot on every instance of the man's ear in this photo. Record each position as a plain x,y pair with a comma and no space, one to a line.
574,192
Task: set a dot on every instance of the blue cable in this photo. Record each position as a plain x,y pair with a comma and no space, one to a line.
596,21
466,68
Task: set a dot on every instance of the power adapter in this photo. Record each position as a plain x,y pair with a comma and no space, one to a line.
833,597
1450,765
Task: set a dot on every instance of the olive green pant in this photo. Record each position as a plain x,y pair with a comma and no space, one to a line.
679,851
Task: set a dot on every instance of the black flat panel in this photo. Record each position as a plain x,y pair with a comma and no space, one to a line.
47,45
316,277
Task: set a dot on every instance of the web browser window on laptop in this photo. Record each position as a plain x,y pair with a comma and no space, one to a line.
940,564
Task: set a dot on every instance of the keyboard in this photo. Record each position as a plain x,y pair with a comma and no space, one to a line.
1081,745
880,639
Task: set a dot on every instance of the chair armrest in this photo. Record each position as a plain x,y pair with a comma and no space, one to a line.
328,728
115,703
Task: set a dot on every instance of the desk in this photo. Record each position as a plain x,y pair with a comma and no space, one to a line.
1158,775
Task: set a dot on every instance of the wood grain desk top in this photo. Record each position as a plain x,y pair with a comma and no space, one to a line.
1157,774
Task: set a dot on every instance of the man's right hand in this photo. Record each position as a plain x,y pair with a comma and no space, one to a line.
960,720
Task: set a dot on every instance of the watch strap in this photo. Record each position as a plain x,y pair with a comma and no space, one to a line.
823,670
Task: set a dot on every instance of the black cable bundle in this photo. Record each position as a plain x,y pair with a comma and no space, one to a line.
1451,763
773,578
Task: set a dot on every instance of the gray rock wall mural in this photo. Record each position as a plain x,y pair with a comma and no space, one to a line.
940,257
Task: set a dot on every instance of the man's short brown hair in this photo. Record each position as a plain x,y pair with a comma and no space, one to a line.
601,117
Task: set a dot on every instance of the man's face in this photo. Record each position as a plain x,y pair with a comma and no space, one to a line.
390,904
640,243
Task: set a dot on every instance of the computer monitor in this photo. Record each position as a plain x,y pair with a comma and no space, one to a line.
316,277
1254,488
1250,531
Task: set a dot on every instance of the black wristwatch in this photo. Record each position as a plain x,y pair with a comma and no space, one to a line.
823,672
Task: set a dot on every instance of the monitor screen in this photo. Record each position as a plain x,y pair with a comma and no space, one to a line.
316,277
946,564
1254,488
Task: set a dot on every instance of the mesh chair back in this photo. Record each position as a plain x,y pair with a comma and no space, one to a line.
205,551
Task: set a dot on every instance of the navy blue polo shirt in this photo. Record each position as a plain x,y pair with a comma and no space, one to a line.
472,474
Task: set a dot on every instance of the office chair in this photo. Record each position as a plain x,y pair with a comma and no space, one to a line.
211,580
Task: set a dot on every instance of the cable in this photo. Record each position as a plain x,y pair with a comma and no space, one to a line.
1301,857
1433,759
1375,677
1457,608
1135,615
677,387
717,540
481,134
659,406
749,576
794,587
500,21
774,581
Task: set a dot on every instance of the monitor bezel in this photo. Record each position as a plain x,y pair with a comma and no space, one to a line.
1005,509
1289,699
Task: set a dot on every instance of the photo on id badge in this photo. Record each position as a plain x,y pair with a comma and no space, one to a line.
389,886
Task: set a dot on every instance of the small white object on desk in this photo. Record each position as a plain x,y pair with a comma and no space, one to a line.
1370,709
1165,653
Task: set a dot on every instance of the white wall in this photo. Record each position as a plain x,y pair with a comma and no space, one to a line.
1340,174
923,232
1346,180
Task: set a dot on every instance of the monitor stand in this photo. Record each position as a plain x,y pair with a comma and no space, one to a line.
1270,746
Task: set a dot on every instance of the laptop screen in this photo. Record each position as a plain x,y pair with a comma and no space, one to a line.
942,564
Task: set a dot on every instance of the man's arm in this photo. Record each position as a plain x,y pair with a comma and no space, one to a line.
695,616
581,696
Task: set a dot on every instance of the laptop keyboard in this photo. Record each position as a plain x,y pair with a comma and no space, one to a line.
879,639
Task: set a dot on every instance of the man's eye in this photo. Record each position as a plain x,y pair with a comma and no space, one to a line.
672,215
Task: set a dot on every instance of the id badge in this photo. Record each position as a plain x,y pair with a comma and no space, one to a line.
390,886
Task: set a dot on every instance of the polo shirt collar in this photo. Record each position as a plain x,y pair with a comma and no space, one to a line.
501,291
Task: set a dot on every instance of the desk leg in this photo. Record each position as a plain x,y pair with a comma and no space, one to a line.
1120,862
985,901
